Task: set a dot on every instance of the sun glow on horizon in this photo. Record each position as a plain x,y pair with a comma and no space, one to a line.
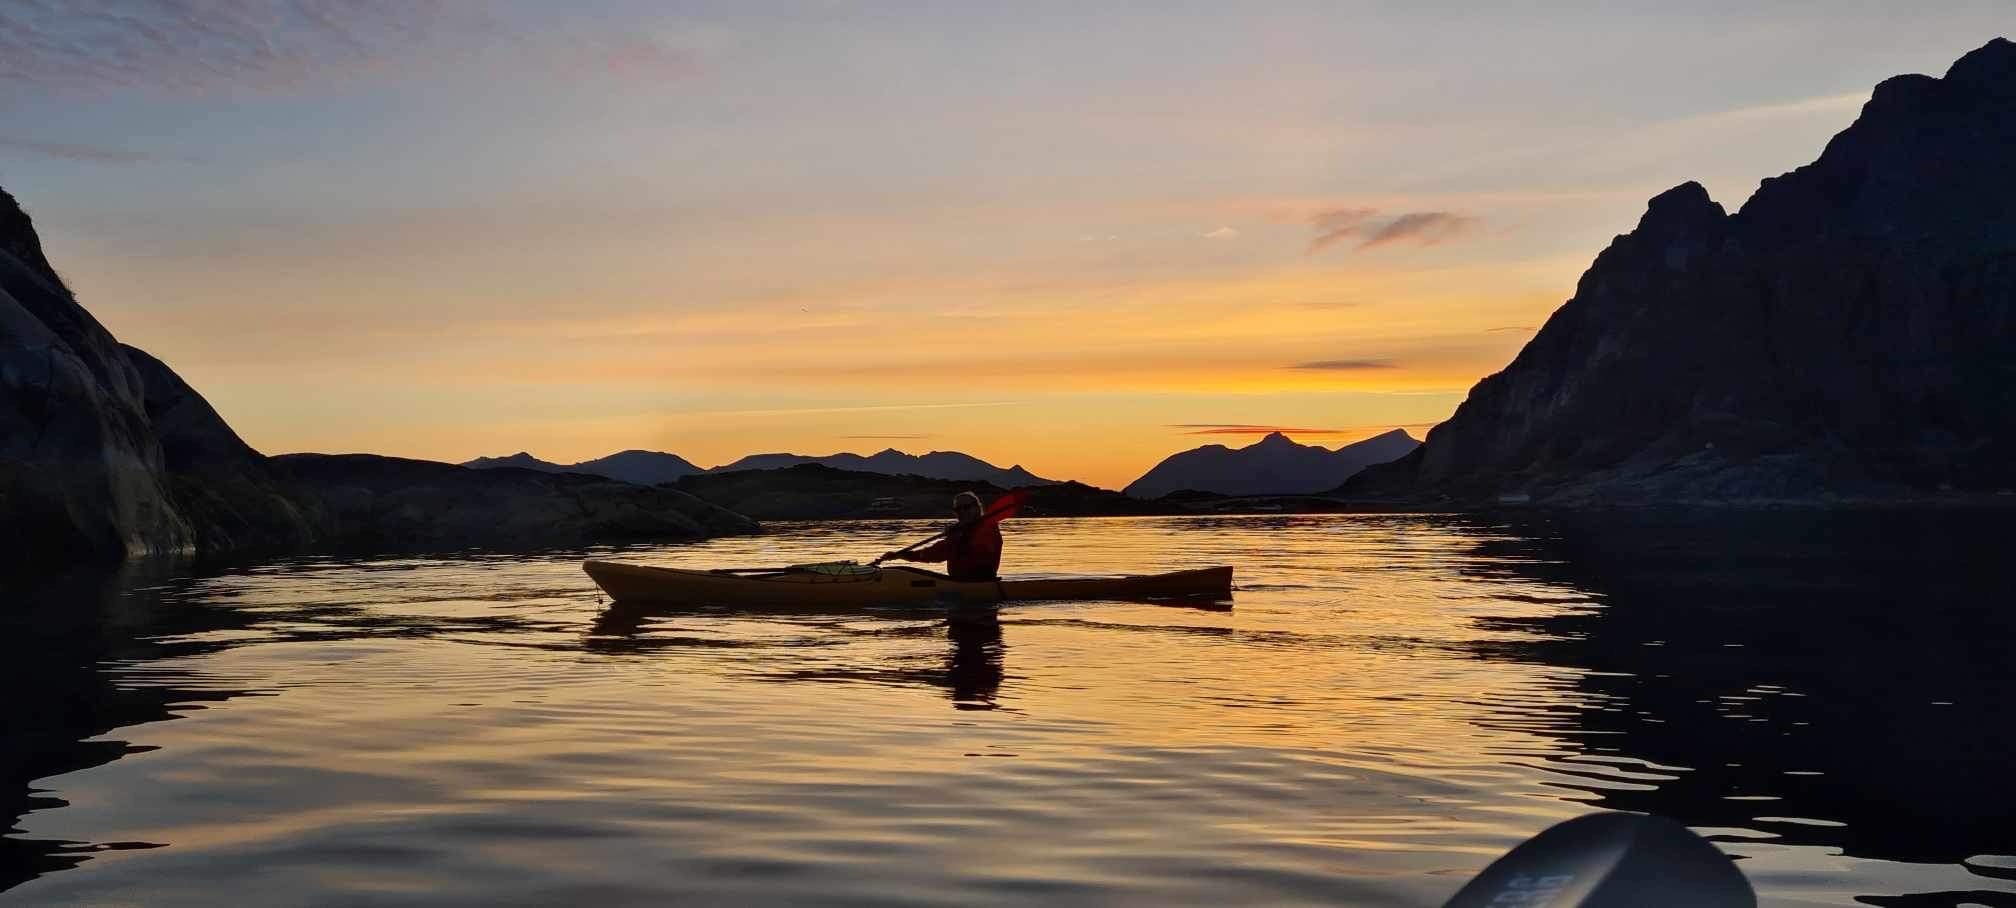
718,232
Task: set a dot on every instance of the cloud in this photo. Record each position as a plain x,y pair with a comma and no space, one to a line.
1222,233
1335,224
74,152
1346,365
926,435
182,47
1524,329
1421,228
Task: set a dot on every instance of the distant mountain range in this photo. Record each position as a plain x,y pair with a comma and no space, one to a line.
935,465
642,467
1274,465
653,467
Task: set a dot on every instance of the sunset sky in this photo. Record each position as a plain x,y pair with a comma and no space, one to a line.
1049,234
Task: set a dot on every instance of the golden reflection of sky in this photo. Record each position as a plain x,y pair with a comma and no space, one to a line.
485,717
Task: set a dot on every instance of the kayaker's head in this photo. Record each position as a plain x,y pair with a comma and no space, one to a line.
966,507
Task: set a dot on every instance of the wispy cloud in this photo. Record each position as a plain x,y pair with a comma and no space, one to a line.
1507,329
1336,224
1222,233
69,151
179,46
1346,365
1421,228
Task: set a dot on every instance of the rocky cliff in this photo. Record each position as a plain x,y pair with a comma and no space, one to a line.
1849,333
81,471
106,453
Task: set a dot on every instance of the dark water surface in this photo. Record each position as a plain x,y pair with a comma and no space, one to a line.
1394,701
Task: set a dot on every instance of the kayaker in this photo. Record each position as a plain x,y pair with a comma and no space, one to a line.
971,550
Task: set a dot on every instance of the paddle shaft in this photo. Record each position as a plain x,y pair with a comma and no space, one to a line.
934,537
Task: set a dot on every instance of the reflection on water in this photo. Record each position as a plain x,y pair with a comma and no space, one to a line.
1393,701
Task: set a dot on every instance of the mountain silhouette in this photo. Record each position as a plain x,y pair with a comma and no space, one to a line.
642,467
1274,465
653,467
1849,333
934,465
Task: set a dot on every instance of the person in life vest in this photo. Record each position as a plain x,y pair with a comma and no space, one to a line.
971,550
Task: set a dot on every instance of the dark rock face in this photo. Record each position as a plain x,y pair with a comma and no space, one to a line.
1849,333
363,501
80,468
1275,465
225,489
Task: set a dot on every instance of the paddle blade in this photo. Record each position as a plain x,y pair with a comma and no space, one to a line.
1005,506
1611,860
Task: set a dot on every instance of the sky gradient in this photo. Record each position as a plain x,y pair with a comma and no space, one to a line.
1052,235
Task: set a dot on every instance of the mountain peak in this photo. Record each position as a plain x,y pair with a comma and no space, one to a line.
1682,345
1684,210
1991,67
957,466
1274,465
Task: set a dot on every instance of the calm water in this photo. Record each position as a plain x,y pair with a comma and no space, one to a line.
1393,701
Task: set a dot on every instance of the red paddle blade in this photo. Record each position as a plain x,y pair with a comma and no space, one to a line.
1005,506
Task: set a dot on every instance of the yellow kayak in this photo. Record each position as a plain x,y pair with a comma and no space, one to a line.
848,585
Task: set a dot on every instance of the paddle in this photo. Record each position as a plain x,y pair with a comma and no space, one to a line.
1002,509
1610,860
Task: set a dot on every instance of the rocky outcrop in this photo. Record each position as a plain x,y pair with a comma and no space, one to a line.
224,489
106,453
1274,465
364,501
81,471
1849,333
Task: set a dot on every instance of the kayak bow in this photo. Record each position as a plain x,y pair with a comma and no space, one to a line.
864,586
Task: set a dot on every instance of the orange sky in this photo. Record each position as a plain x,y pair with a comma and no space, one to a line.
1049,238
